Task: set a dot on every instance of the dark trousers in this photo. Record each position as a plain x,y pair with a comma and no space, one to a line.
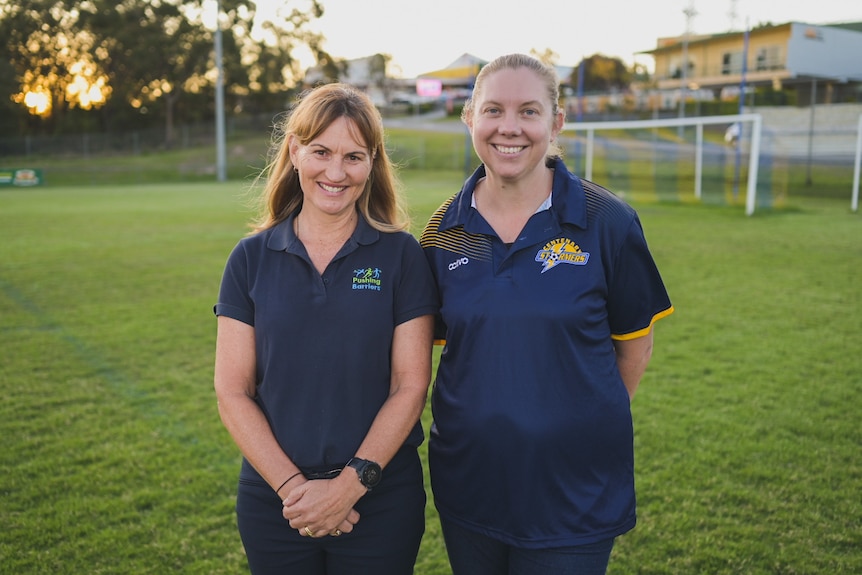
471,553
385,541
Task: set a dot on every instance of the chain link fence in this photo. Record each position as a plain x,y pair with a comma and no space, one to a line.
413,143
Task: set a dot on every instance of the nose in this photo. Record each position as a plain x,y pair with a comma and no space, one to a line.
335,169
510,125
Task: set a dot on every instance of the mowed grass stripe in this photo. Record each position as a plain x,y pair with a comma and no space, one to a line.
108,454
114,459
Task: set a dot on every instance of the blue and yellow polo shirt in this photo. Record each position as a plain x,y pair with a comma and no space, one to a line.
532,436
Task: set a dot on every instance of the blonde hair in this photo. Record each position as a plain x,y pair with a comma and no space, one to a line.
380,203
512,62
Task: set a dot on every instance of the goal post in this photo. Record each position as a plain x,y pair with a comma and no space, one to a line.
752,135
857,168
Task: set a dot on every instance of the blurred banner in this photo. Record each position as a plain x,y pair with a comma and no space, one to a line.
20,177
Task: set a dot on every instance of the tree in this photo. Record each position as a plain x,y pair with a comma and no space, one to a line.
148,56
603,74
328,70
547,56
50,60
11,114
640,73
266,54
378,74
151,52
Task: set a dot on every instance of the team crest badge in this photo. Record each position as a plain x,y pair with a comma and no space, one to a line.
561,251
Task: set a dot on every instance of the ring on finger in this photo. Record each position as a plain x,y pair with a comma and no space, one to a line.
336,533
308,531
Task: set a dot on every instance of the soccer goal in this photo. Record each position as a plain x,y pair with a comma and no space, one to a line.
857,168
661,154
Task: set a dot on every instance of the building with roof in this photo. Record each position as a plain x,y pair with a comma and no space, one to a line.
821,63
461,73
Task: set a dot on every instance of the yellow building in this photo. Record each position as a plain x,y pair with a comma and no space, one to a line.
821,63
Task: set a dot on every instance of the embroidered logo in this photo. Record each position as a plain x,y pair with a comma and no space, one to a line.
561,251
462,261
367,279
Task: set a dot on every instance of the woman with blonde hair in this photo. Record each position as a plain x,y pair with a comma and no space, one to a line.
548,299
323,352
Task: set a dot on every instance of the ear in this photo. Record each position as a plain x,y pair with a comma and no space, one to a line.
468,120
293,149
559,121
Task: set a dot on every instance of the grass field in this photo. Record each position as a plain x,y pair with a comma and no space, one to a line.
114,460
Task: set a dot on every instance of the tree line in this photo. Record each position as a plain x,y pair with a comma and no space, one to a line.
105,65
71,66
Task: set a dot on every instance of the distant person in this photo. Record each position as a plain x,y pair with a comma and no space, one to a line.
548,299
323,354
731,135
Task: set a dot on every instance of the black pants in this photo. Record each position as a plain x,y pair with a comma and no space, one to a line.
472,553
384,542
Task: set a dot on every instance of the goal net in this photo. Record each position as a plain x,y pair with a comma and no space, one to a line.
709,159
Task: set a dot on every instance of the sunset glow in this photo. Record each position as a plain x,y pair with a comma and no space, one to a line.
87,89
39,103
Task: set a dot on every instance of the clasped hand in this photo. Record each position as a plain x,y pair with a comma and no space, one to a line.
322,507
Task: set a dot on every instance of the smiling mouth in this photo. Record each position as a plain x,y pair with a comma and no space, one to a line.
508,149
332,189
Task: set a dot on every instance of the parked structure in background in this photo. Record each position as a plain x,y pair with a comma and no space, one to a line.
790,64
795,63
369,74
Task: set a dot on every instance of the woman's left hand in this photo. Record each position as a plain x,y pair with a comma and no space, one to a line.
323,507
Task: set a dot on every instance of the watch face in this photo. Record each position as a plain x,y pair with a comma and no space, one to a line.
371,475
369,472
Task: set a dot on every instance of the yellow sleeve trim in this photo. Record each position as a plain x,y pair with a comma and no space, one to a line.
621,337
644,331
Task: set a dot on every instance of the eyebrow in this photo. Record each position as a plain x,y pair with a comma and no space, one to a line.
535,103
360,151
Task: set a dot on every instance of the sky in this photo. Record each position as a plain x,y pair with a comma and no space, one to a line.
426,35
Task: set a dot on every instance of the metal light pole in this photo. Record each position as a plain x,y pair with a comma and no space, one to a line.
690,13
221,171
579,115
811,131
742,79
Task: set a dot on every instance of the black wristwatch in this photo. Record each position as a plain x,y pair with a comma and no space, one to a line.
369,472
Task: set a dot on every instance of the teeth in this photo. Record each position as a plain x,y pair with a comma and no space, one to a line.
331,188
509,149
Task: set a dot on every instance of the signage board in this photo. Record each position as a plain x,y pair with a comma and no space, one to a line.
429,87
22,177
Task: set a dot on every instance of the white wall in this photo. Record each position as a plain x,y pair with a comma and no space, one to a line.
822,51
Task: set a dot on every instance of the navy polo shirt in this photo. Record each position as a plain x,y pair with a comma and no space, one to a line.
323,342
532,441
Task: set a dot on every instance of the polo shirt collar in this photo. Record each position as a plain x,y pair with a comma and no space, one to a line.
568,202
283,238
568,198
